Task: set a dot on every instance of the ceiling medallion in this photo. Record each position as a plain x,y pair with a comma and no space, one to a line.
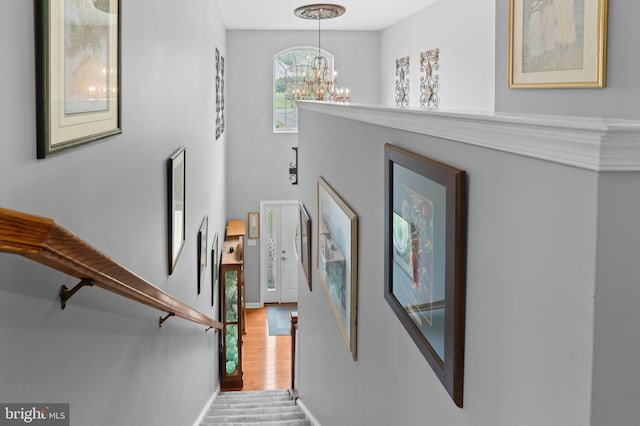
319,11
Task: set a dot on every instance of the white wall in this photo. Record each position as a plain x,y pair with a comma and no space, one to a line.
464,31
106,355
258,159
531,280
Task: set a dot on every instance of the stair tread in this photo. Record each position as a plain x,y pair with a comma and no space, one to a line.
305,422
256,417
255,410
253,405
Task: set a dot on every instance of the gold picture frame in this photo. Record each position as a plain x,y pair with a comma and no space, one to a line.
77,73
254,225
337,260
557,44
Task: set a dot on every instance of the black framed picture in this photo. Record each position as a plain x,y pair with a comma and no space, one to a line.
425,258
305,243
176,171
215,273
77,73
202,251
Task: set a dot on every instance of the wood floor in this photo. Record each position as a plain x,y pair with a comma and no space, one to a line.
266,360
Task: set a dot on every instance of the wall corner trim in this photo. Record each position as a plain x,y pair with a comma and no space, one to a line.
597,144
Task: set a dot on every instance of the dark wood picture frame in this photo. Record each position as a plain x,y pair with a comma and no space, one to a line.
78,82
176,188
202,251
305,243
215,269
425,258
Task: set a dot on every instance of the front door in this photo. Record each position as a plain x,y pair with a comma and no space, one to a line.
278,261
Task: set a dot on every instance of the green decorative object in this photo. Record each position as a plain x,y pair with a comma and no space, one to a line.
231,367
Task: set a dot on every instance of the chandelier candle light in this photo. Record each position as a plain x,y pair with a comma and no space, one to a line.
320,83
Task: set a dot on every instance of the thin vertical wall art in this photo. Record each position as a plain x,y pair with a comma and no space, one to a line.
429,82
215,273
219,94
402,81
176,171
202,251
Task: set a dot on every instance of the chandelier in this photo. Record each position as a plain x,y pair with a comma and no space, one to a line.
320,84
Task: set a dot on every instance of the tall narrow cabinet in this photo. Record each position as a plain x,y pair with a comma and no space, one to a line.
232,289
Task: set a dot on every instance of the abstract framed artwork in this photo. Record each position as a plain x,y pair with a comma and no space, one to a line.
425,258
337,262
77,72
202,251
176,172
305,243
561,43
215,273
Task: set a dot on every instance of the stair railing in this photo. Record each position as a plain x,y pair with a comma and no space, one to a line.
40,239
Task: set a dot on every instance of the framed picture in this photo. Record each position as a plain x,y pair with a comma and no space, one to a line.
215,273
254,225
561,43
337,262
305,243
176,166
425,257
77,73
202,251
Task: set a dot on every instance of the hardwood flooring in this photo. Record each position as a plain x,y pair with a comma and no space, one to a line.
266,360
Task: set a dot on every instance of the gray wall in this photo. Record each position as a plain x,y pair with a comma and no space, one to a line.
530,288
106,355
616,363
258,159
618,99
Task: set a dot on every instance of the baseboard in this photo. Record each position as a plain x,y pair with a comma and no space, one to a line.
314,421
206,408
253,305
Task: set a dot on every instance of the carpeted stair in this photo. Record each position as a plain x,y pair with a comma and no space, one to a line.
264,408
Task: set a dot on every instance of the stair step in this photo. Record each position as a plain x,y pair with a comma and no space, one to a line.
254,393
265,397
305,422
234,411
253,418
253,399
249,405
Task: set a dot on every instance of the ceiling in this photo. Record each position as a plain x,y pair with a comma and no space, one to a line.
361,15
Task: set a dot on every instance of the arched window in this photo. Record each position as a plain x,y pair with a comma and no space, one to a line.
290,67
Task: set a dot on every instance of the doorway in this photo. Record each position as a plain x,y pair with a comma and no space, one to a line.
279,225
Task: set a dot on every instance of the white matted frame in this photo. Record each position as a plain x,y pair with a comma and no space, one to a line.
77,73
555,44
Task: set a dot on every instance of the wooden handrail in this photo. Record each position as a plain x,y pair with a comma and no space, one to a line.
42,240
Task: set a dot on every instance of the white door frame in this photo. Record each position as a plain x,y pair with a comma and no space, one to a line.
263,232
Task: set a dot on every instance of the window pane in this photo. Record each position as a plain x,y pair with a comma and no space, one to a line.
290,69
